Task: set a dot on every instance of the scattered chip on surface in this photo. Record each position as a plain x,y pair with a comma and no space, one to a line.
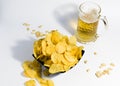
31,69
85,61
30,83
95,53
105,69
26,24
98,74
102,65
112,64
40,26
37,34
88,70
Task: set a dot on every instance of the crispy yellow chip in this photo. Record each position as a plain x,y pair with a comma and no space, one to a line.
65,38
44,85
50,49
25,74
66,67
69,57
44,45
69,47
48,63
56,37
61,47
50,83
64,60
45,82
46,72
31,69
74,50
30,83
37,48
48,38
55,68
37,34
72,40
56,57
41,80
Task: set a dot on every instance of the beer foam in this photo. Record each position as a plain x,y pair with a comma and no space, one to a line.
90,16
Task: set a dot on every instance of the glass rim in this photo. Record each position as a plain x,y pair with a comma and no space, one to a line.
99,11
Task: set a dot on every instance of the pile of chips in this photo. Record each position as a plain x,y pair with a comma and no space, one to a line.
57,52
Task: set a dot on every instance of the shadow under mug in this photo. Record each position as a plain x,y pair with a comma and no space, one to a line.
89,16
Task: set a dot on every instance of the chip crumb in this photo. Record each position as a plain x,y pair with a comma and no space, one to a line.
33,31
105,72
85,61
40,26
95,53
109,69
88,70
98,74
112,64
26,24
27,29
102,65
30,83
37,34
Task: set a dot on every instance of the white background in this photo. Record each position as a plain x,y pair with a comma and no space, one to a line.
16,43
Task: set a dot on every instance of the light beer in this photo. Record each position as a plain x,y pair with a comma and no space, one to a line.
86,31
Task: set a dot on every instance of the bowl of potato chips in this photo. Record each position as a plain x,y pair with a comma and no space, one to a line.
57,52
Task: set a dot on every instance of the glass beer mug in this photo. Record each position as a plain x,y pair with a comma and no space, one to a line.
89,16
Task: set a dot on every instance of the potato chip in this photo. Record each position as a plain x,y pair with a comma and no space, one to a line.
25,74
66,67
74,50
46,72
72,40
50,49
45,82
50,83
37,48
44,85
64,61
69,47
65,38
44,45
30,83
41,80
56,57
48,63
31,69
37,34
61,47
69,57
48,38
55,68
56,37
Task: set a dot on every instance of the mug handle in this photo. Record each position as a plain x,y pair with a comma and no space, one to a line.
105,21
